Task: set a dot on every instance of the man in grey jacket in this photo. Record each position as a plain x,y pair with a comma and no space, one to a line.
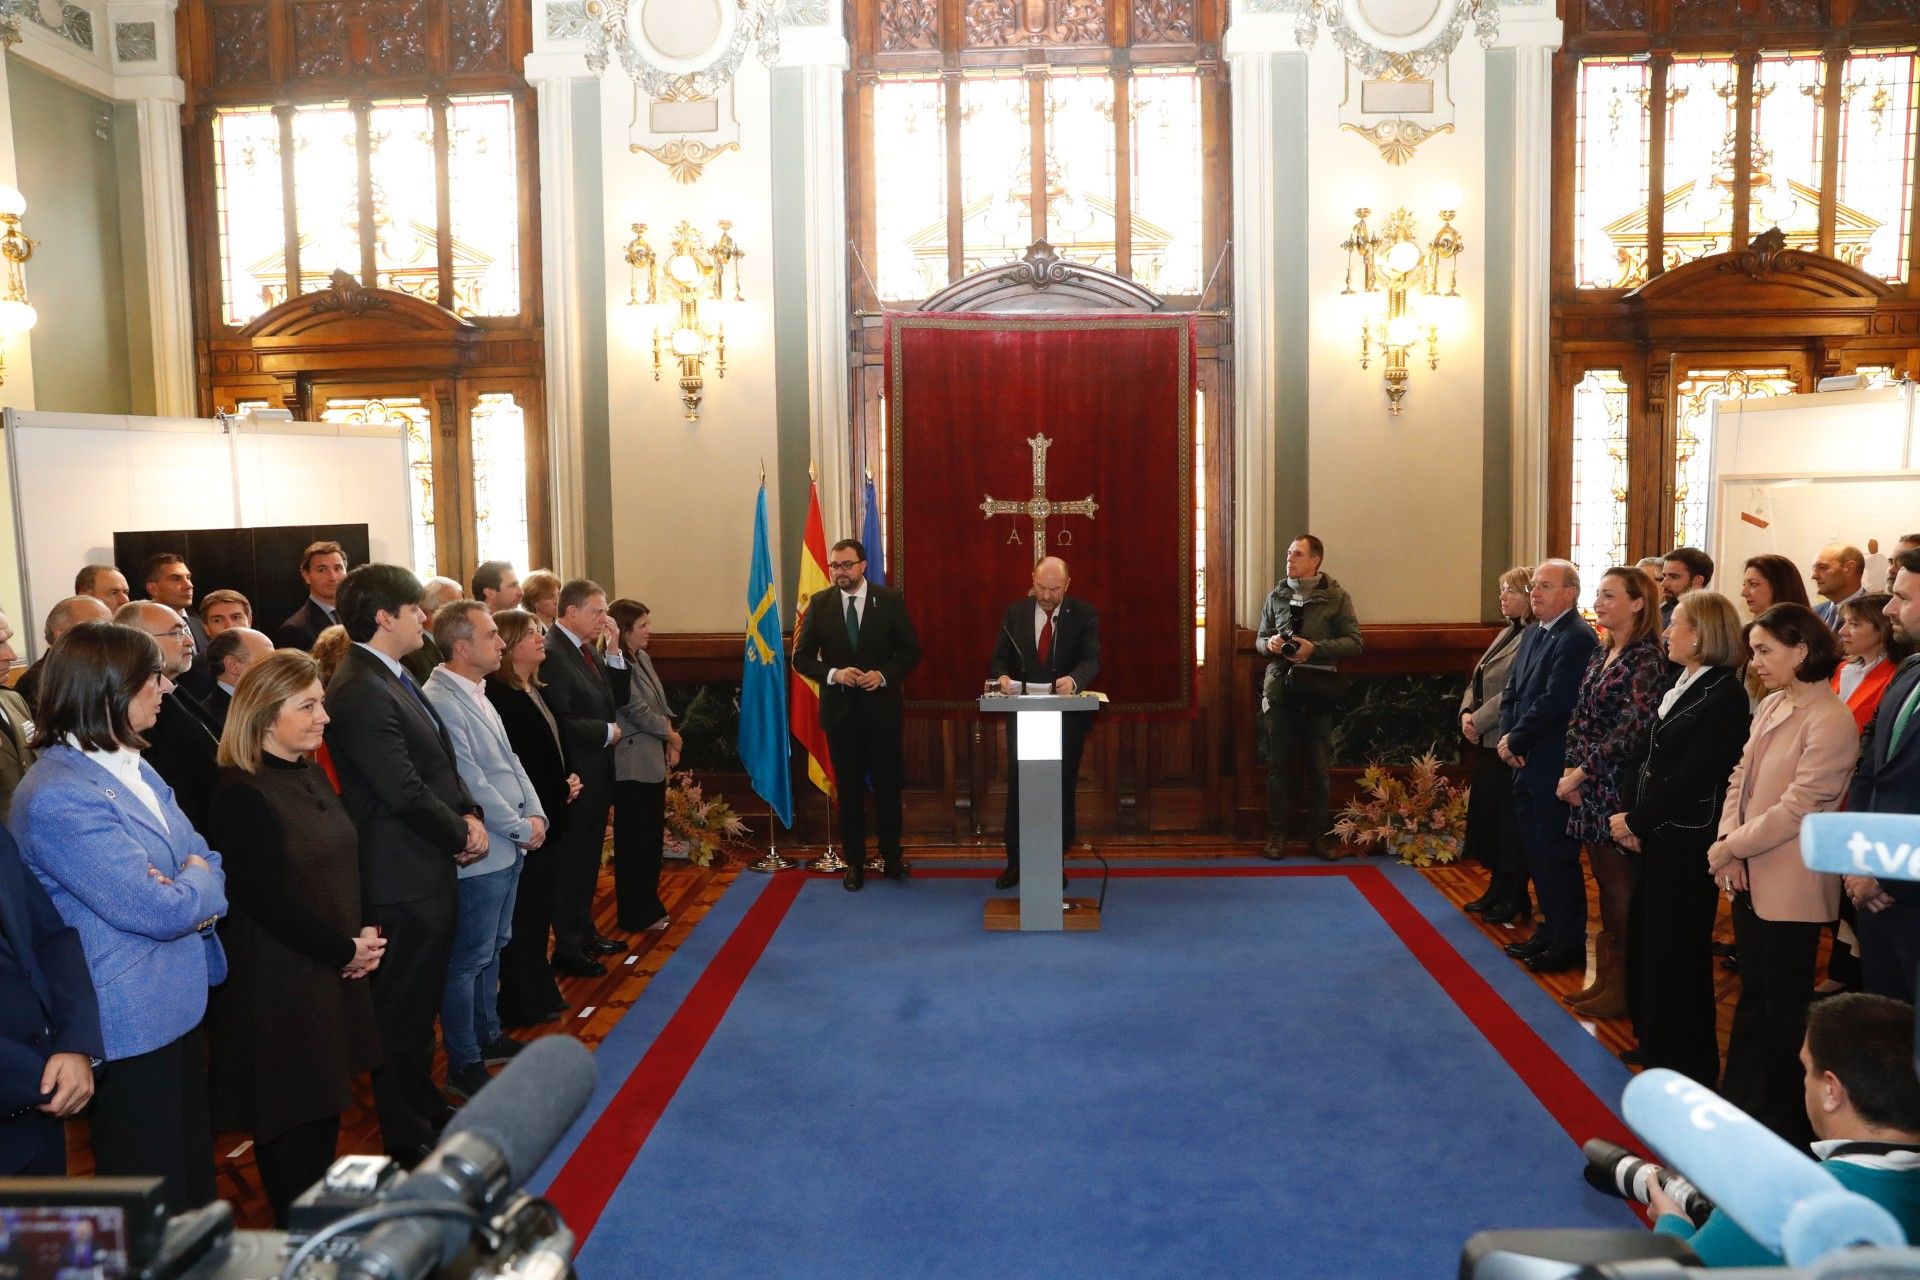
515,822
1307,626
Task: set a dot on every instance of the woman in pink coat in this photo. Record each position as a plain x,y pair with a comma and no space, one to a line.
1799,756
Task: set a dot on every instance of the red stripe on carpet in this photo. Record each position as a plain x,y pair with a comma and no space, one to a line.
1560,1090
587,1181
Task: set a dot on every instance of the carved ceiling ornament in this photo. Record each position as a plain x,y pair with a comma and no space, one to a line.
479,32
909,24
334,38
1391,41
1163,21
620,29
685,158
240,43
1397,139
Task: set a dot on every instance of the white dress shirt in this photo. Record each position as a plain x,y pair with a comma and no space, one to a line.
125,765
859,598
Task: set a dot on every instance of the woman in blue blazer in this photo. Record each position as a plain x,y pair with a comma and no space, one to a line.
125,868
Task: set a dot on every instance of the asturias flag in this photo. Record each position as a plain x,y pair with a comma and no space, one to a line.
803,708
763,680
870,535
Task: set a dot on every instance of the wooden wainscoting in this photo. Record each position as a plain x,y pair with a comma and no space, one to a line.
1140,782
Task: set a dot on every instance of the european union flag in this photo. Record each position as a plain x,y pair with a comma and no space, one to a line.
763,680
870,535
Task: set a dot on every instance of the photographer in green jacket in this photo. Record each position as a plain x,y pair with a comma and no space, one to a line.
1307,628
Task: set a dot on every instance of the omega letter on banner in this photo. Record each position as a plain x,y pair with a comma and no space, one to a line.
1015,437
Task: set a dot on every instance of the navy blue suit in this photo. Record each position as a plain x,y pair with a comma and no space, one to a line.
47,1006
1533,720
1883,783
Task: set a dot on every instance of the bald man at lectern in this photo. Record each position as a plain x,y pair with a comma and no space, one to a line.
1050,639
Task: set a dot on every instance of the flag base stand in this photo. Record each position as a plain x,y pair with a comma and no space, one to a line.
771,861
830,862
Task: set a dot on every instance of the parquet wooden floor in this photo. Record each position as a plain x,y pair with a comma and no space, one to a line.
690,891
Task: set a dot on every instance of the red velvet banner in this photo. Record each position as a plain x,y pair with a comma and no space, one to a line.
1011,437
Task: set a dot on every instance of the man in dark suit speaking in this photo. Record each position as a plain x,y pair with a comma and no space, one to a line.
1046,638
858,644
417,822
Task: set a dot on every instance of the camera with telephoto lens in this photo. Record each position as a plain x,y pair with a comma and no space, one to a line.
1618,1172
459,1215
1289,641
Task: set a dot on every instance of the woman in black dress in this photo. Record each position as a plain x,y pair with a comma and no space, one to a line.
527,992
1672,818
293,1025
1493,836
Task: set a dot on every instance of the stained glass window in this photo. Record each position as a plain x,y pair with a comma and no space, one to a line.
1700,178
483,186
413,415
1082,193
401,172
1167,182
251,211
1694,398
500,478
1599,474
406,196
910,187
326,193
1784,178
1877,110
996,171
1610,174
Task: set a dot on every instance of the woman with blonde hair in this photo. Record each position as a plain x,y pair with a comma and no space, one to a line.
1493,834
540,595
293,1026
1671,814
1607,733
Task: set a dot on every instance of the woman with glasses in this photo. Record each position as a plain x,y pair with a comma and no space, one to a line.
127,870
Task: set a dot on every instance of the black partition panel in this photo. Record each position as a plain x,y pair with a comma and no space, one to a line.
261,564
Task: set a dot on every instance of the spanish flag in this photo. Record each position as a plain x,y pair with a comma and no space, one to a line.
803,706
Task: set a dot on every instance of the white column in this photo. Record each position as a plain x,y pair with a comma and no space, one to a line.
1533,38
821,56
560,294
163,212
1254,46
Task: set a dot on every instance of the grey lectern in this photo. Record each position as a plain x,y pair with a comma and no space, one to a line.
1040,906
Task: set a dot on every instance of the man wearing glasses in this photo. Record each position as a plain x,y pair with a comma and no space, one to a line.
1533,741
183,744
858,643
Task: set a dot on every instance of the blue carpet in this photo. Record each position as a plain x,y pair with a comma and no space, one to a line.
1237,1076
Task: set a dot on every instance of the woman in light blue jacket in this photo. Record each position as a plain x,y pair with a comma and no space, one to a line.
648,749
126,869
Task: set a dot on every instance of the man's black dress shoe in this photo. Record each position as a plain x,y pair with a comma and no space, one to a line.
520,1022
1274,849
656,922
1559,959
897,869
1635,1057
579,967
1506,911
1481,903
1528,949
599,945
1007,879
856,878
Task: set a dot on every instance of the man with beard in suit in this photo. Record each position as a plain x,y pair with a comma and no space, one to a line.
1046,638
401,785
858,644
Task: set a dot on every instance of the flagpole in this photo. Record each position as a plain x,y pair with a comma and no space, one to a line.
829,863
771,861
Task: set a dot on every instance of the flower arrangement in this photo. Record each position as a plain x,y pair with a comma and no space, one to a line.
698,829
1419,816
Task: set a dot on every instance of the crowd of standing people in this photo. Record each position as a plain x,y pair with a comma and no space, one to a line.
1679,746
236,877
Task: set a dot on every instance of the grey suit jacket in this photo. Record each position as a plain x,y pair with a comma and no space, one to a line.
493,773
1481,699
16,757
645,721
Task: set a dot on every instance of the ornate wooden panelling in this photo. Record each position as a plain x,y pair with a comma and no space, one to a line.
997,23
909,24
1799,13
1163,21
333,38
240,44
478,32
1705,15
1616,15
1907,11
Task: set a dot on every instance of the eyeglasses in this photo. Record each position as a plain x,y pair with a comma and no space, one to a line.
179,632
843,564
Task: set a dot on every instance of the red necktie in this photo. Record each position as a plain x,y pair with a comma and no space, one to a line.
1046,638
586,652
